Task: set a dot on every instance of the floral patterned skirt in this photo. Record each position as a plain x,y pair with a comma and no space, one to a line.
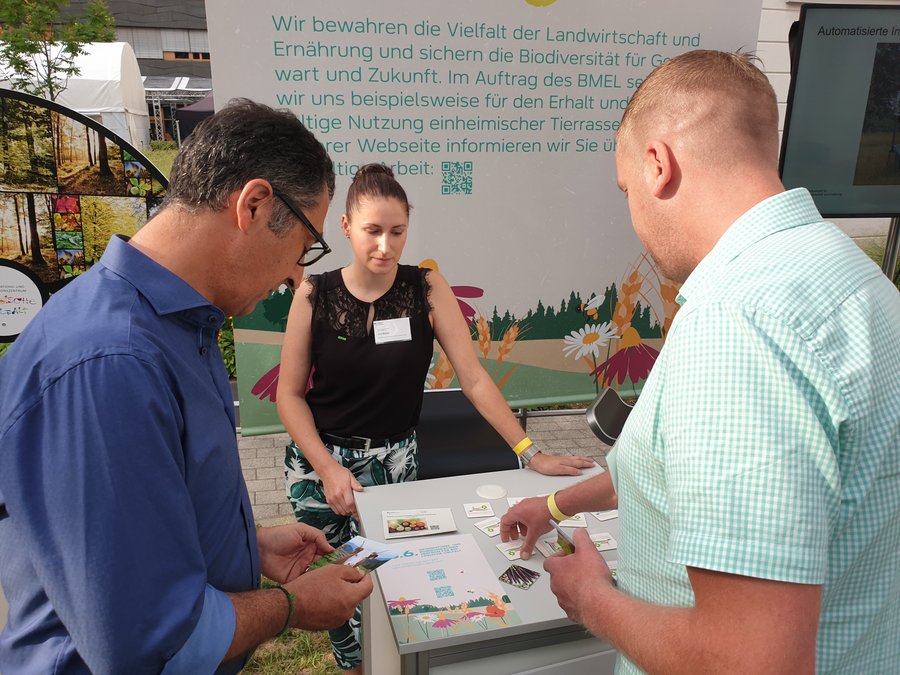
394,463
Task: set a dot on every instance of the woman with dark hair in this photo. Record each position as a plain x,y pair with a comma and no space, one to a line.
366,332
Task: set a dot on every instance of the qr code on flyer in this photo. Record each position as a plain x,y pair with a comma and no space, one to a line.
456,178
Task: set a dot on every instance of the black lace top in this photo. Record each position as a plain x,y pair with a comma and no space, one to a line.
360,388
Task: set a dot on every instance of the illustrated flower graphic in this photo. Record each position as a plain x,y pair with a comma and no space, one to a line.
405,605
587,341
267,385
467,292
460,292
466,615
443,622
633,360
498,609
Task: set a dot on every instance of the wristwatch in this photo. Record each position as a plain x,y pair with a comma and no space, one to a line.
528,454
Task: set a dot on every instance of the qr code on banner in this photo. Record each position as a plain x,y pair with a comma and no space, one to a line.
456,178
436,575
444,592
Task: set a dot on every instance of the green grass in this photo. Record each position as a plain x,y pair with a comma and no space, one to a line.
876,253
296,653
162,159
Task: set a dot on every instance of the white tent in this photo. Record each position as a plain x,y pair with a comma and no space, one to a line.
109,89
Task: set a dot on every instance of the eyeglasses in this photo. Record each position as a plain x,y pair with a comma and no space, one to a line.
320,248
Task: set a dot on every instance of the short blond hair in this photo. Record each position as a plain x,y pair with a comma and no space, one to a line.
721,99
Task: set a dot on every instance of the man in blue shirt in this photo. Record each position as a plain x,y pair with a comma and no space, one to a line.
127,540
758,477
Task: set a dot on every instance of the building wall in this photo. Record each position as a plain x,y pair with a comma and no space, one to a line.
187,14
155,29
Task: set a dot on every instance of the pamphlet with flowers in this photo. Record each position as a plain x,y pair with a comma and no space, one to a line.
444,587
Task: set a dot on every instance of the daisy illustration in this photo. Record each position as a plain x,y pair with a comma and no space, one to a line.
587,341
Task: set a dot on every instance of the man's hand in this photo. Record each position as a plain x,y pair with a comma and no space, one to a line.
559,465
529,518
286,551
325,598
571,574
339,484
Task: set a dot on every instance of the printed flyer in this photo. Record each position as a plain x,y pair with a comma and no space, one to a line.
444,586
417,522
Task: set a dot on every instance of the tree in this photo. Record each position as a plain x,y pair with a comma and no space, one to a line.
39,46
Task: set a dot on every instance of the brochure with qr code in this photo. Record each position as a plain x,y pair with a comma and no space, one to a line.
417,522
443,586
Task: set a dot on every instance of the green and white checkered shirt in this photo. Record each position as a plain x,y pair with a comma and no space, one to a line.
766,441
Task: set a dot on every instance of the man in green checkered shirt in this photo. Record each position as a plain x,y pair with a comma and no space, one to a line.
758,477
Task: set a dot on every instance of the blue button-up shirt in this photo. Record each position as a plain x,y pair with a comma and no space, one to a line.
124,517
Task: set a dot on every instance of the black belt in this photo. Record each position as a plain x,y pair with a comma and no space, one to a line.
362,443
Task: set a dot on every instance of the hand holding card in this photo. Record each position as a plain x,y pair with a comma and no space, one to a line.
564,539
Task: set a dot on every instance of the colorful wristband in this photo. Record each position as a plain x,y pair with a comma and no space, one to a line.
522,445
290,614
558,515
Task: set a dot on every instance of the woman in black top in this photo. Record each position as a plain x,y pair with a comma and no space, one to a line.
365,335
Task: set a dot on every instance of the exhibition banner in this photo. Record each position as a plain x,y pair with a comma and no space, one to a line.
67,185
499,120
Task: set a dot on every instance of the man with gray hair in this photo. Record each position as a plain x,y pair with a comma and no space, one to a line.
127,539
758,476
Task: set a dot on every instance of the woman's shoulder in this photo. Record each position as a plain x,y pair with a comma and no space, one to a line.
414,273
324,280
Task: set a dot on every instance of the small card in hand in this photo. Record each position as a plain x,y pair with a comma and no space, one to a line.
363,554
564,539
519,576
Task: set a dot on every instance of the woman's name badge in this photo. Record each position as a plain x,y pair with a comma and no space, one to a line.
392,330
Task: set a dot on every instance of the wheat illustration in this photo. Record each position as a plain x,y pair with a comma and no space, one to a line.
668,291
484,337
506,344
443,372
624,310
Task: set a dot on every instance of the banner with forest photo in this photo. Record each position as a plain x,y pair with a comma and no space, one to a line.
67,185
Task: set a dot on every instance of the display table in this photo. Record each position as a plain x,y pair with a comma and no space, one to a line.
546,642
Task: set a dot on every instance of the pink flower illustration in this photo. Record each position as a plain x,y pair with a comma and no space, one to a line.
267,386
405,605
634,360
444,622
467,292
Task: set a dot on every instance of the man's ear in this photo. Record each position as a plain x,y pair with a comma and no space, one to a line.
661,169
253,203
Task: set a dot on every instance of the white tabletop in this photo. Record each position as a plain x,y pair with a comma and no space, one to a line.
536,606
